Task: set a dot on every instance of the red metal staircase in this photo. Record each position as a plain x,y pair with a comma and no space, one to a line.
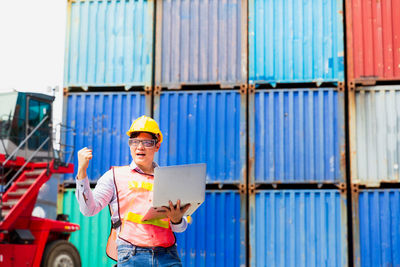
20,198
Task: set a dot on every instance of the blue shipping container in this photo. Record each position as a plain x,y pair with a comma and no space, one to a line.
109,43
100,121
296,41
297,136
217,235
376,223
201,42
204,127
298,228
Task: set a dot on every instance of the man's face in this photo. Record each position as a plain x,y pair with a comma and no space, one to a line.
142,155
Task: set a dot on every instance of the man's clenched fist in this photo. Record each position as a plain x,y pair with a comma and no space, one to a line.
84,156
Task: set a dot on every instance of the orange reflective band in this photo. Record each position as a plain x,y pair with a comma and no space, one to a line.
137,218
144,185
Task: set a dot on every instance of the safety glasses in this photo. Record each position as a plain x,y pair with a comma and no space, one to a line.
133,142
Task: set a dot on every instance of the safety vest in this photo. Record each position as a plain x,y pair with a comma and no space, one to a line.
134,195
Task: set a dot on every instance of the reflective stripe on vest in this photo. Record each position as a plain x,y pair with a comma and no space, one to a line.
137,218
143,185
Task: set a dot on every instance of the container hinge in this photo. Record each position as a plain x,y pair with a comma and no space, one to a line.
147,90
252,189
355,188
243,89
252,88
242,189
61,188
352,86
341,86
157,90
342,187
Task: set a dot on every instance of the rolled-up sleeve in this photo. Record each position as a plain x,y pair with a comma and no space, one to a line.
93,201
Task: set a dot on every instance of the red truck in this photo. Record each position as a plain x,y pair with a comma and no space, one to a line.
28,158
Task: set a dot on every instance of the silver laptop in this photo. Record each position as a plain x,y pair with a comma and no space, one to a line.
184,182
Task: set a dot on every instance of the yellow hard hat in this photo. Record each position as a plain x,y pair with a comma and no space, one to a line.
145,124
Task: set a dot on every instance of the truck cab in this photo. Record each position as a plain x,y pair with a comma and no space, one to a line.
20,114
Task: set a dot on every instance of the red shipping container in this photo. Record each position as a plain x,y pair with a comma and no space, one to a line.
373,40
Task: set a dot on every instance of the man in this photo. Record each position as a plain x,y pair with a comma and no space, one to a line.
128,192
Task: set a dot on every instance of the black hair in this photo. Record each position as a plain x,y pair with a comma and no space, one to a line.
153,136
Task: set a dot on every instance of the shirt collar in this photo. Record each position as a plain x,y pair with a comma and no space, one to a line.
133,166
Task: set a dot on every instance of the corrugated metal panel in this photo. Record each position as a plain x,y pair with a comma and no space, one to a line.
296,41
376,220
373,39
217,235
101,121
91,239
109,43
298,228
204,126
201,42
375,135
297,136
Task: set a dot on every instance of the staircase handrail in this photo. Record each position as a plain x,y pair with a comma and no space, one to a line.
26,163
25,140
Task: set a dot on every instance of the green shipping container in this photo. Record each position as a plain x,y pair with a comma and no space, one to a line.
91,239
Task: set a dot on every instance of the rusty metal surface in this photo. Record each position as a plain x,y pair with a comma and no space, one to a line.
101,120
201,42
373,40
296,136
296,41
109,43
204,127
374,134
298,228
376,227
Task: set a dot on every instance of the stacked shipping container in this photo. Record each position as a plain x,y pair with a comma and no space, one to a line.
269,122
373,53
297,134
200,102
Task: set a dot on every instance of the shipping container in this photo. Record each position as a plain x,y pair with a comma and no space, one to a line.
100,121
373,40
204,127
91,239
374,114
216,236
201,42
296,41
298,228
109,43
297,136
376,221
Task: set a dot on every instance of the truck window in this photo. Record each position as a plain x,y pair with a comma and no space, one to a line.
37,112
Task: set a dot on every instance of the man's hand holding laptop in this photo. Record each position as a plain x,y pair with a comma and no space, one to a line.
175,213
